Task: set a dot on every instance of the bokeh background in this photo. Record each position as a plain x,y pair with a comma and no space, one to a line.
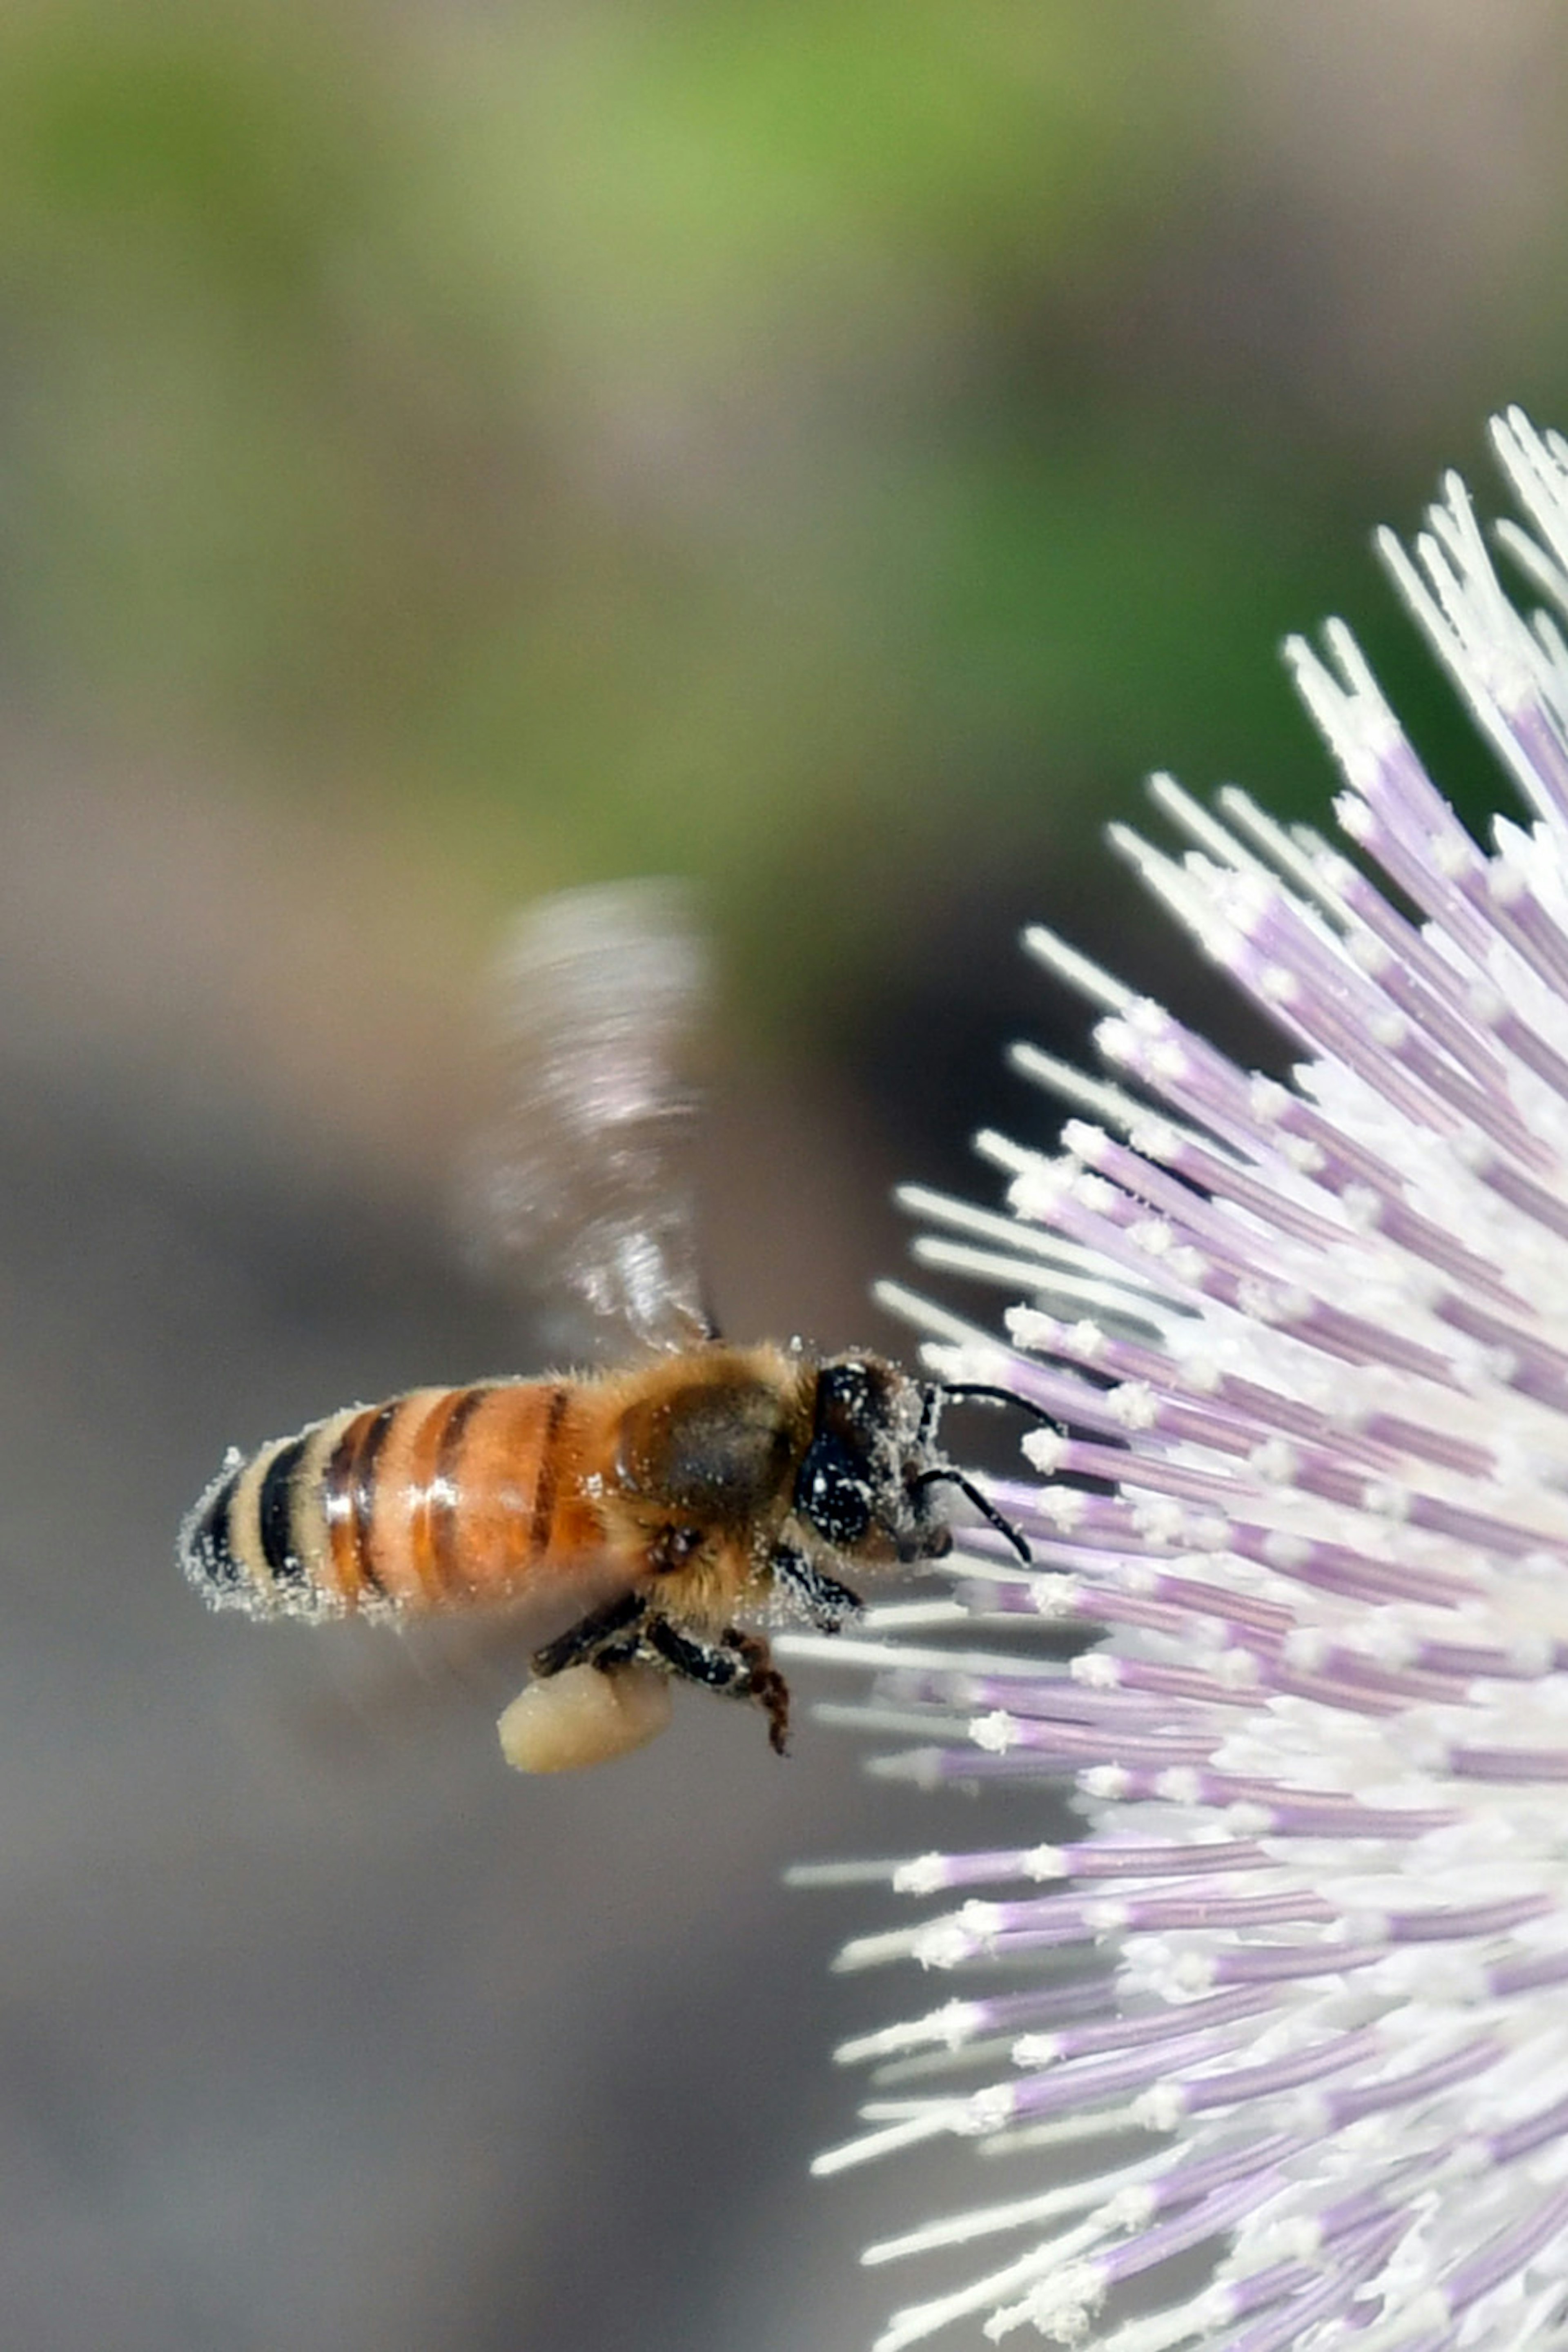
448,452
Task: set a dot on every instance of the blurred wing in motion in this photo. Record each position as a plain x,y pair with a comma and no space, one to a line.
581,1192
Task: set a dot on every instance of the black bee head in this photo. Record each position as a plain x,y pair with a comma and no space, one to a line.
857,1485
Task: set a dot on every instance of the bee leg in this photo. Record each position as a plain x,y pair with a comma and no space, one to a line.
631,1652
739,1664
764,1684
827,1603
607,1637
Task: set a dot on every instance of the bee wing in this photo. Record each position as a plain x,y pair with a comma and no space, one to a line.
581,1191
363,1691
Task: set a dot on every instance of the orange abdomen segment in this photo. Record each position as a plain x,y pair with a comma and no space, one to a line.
440,1499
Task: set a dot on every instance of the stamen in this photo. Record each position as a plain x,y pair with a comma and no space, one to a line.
1276,1987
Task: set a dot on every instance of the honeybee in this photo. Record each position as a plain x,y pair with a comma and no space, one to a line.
652,1506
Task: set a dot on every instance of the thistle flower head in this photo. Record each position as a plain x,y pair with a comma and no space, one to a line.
1274,2019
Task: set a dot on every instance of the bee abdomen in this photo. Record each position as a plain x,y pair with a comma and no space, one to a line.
440,1498
256,1539
208,1553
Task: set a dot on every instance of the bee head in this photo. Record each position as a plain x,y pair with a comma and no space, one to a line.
859,1482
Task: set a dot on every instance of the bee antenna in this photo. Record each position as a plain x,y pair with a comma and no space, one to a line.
932,1396
986,1509
949,1389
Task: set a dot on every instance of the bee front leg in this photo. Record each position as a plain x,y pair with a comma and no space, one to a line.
609,1636
827,1603
739,1664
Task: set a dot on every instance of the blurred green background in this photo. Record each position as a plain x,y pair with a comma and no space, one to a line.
831,450
446,454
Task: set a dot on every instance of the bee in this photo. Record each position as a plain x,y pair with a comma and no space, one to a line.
655,1506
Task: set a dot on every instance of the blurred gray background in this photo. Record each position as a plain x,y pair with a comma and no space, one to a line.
447,454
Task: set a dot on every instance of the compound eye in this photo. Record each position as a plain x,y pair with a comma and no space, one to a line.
830,1492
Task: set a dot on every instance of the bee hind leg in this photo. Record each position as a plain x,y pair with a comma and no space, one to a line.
738,1664
608,1637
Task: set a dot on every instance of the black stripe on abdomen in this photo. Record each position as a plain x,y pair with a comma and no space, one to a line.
364,1476
442,1563
207,1545
544,1491
275,1515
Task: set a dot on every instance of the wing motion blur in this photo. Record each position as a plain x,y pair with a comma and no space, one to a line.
579,1193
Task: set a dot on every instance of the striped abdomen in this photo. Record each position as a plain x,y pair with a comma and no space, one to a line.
442,1498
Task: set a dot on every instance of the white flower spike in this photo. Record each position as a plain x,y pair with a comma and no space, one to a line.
1278,2025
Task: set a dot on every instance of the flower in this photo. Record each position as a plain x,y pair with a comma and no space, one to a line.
1278,2006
